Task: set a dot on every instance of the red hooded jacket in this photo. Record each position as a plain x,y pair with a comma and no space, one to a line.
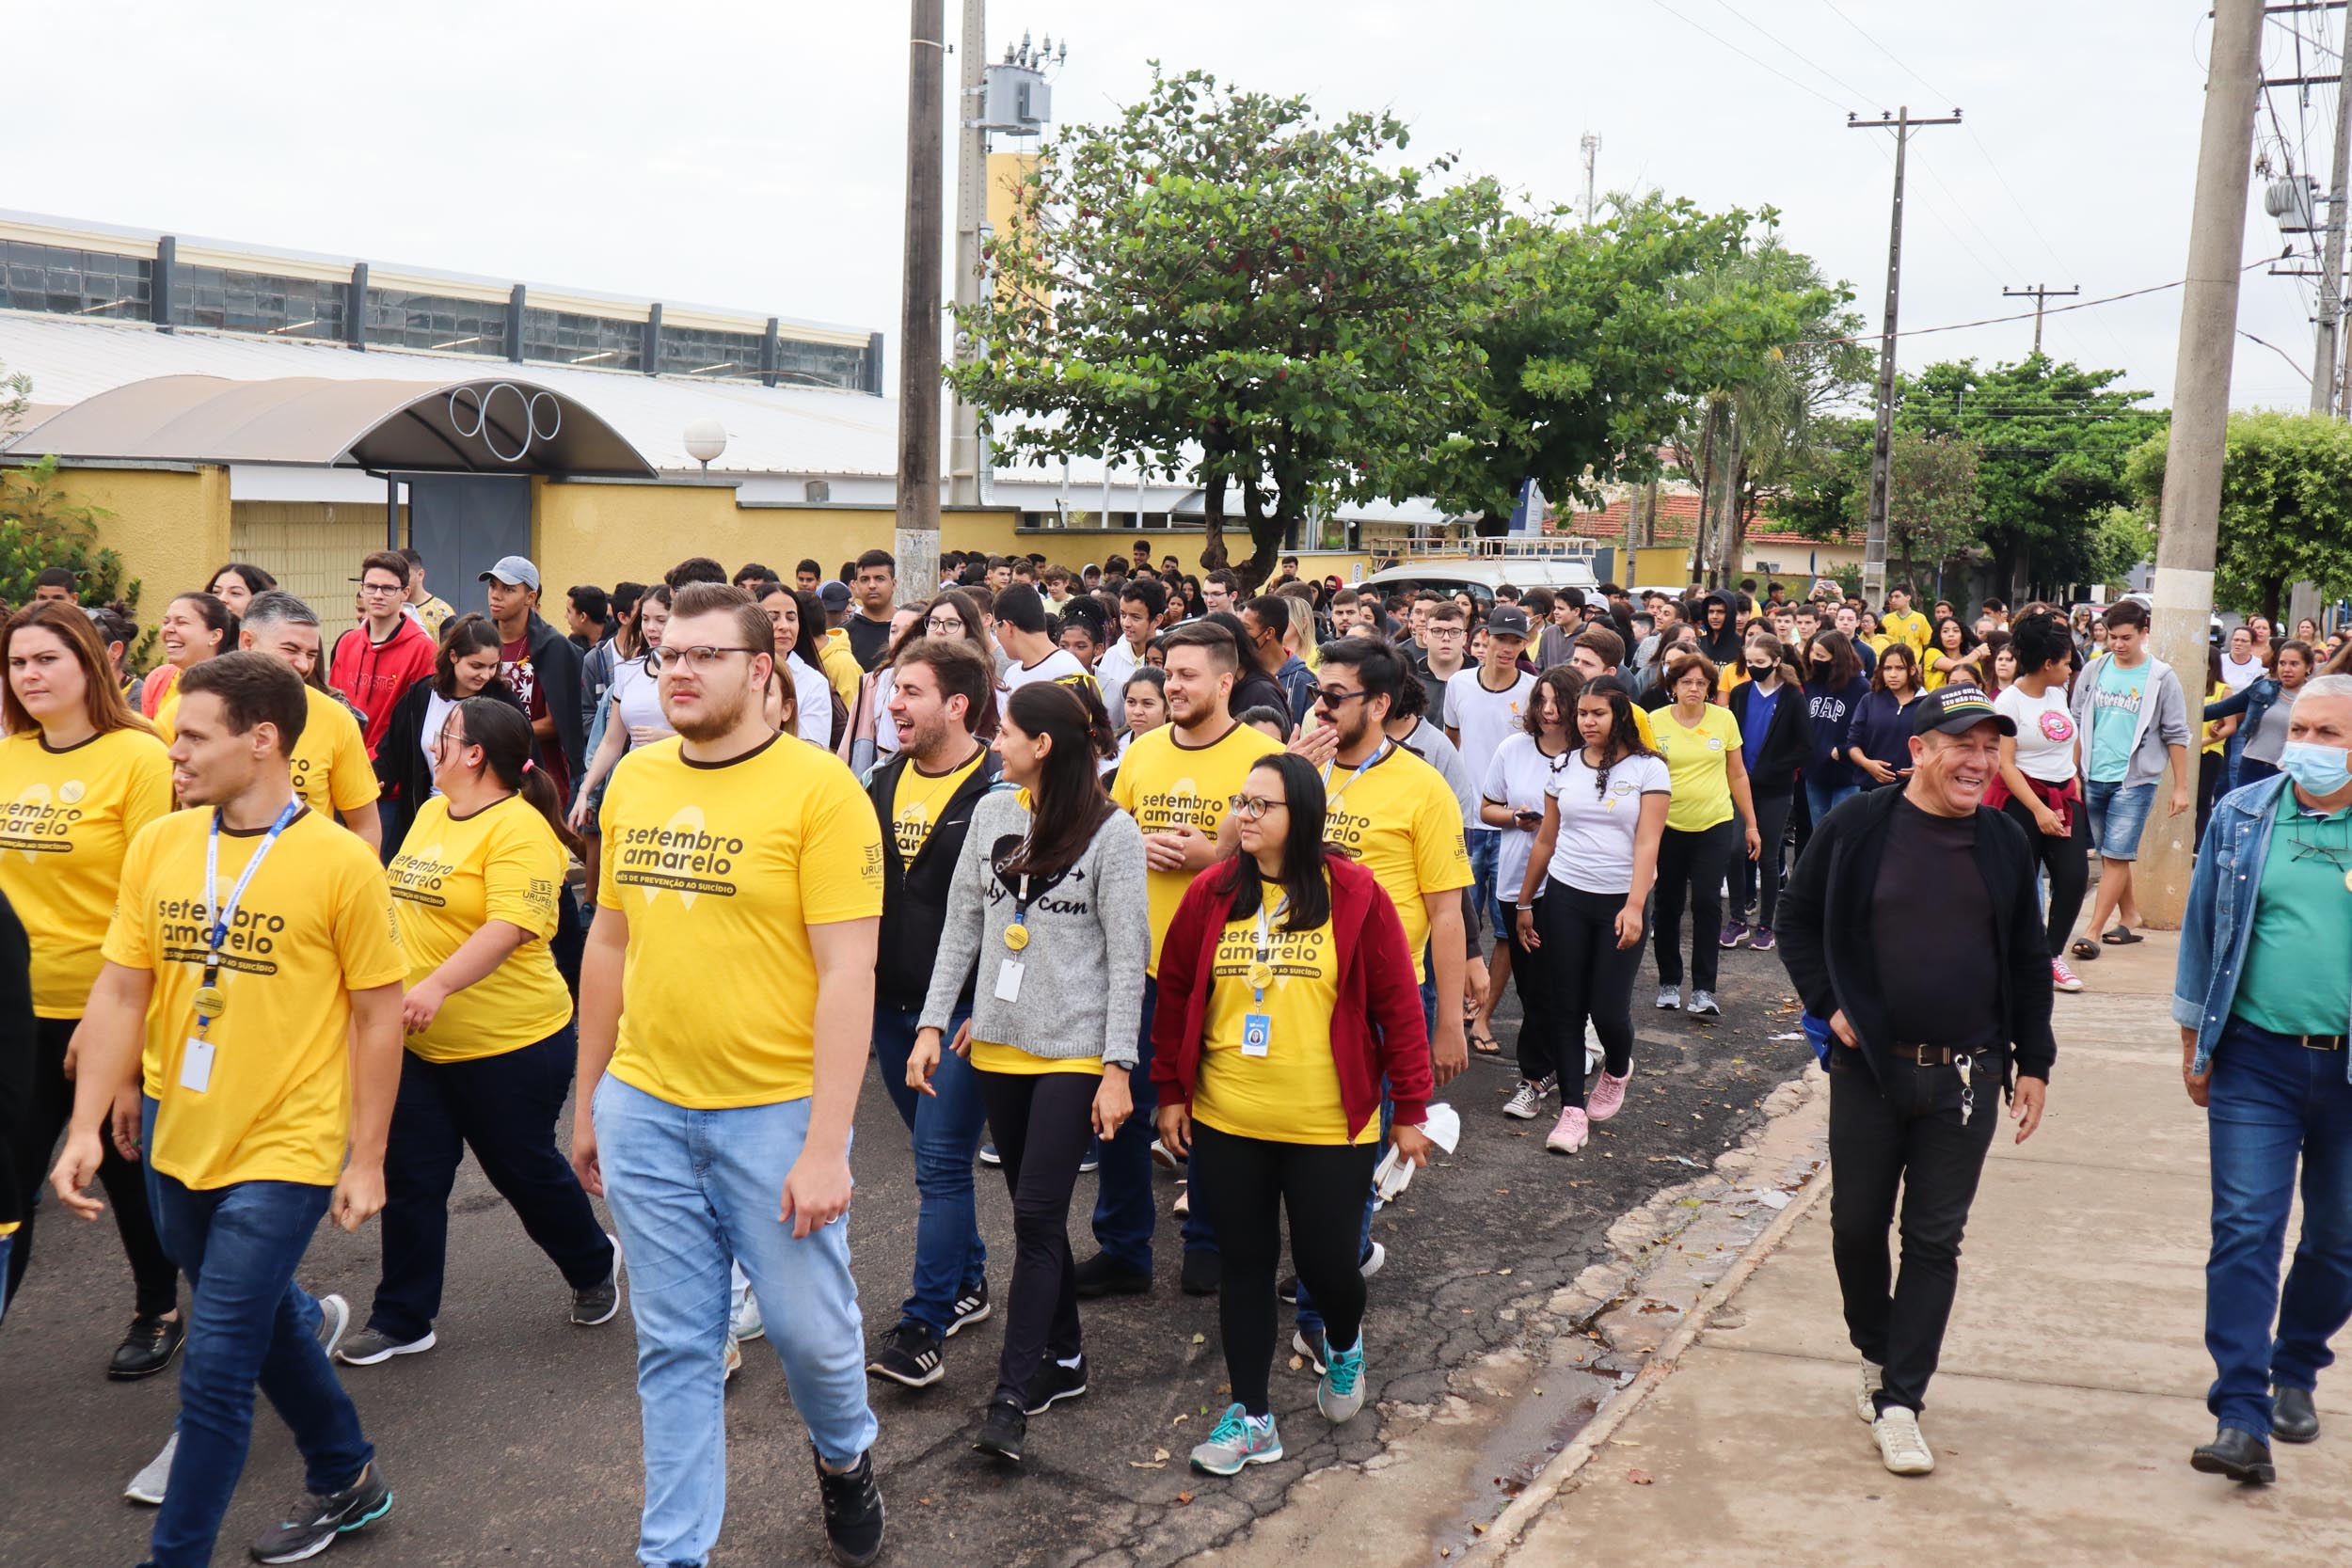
375,677
1377,1028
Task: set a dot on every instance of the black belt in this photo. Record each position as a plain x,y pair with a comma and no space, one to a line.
1938,1055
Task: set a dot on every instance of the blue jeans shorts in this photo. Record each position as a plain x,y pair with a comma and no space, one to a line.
2119,813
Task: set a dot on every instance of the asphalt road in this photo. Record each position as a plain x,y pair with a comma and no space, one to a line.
516,1441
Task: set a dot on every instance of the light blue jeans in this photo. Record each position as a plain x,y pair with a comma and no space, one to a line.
693,1190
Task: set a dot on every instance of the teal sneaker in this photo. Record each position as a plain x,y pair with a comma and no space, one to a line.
1341,1393
1240,1439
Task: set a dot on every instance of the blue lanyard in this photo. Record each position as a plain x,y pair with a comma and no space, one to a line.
1266,937
217,922
1331,797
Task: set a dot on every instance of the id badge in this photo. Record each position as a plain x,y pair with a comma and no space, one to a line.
1257,1033
196,1065
1008,980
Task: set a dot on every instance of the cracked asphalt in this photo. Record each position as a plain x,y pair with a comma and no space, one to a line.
515,1440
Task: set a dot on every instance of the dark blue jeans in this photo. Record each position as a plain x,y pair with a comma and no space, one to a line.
945,1132
248,1323
1126,1213
503,1108
2272,1103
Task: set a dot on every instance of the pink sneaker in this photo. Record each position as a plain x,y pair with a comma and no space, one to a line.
2063,977
1570,1133
1607,1096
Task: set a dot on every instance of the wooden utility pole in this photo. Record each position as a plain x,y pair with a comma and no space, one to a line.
918,314
2038,295
2331,262
1883,439
967,464
2189,521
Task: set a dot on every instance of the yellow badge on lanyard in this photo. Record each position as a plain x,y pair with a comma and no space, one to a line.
1016,937
211,1002
1261,975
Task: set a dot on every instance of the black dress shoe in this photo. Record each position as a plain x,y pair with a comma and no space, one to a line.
2293,1417
2239,1455
149,1348
1205,1271
1102,1275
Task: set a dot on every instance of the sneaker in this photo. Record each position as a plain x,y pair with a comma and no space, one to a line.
1310,1344
1703,1004
1165,1158
1205,1271
853,1510
1240,1439
1608,1097
1570,1133
744,1322
1669,997
1900,1445
601,1303
989,1155
1594,1055
910,1357
1763,939
1370,1263
1733,934
147,1347
149,1485
1104,1275
372,1345
1865,1404
1527,1100
734,1361
1341,1393
1053,1384
334,1318
970,1307
1183,1205
1092,1160
2063,977
1001,1431
1288,1289
313,1524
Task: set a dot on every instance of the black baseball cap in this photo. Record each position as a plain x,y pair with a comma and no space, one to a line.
1507,620
1956,708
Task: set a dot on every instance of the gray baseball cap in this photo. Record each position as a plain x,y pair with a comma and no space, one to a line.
515,571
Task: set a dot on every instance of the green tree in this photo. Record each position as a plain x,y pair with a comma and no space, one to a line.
1934,502
41,527
2286,507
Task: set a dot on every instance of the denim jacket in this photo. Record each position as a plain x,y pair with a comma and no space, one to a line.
2253,701
2220,916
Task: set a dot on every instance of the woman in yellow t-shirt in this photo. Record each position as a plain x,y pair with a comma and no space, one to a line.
2212,757
491,1049
194,628
1700,741
1953,653
80,776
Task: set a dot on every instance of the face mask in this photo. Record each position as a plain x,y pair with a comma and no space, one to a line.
1760,671
2320,769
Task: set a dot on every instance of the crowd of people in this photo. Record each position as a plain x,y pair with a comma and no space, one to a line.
1318,833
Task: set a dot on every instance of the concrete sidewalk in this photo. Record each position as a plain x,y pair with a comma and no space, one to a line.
2072,1380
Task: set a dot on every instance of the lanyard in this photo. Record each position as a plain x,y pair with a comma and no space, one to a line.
1261,972
1017,934
1331,797
210,1001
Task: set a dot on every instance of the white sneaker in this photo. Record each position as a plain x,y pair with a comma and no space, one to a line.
1702,1004
1527,1100
745,1322
334,1318
735,1360
1591,1048
1866,1403
1669,997
148,1487
2063,976
1166,1158
1900,1446
1373,1259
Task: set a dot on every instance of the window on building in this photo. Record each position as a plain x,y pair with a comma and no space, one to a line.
230,301
399,318
708,355
559,338
806,364
74,282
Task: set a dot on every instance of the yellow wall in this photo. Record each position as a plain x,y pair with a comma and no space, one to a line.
169,526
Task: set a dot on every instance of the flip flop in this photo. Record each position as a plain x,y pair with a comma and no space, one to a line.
2123,935
2084,949
1485,1045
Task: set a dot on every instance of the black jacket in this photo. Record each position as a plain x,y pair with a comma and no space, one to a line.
1788,740
399,767
1725,647
16,1058
555,663
914,897
1824,927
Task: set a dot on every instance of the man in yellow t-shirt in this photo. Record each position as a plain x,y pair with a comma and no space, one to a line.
1900,620
725,1001
260,1015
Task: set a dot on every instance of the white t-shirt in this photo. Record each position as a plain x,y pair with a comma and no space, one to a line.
1517,778
885,732
814,693
1481,718
436,714
638,696
1059,665
2239,676
1595,851
2045,732
1111,671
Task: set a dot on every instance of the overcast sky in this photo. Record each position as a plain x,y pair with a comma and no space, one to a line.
749,153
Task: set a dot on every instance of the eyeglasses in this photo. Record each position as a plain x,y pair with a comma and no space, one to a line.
699,659
945,626
1251,808
383,588
1332,696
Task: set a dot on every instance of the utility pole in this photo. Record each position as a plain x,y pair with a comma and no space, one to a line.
1883,439
1590,145
918,313
2191,509
2039,295
964,465
2332,264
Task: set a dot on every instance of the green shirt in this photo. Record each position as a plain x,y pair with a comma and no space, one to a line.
2296,981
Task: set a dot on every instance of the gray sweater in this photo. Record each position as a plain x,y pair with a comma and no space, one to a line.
1090,938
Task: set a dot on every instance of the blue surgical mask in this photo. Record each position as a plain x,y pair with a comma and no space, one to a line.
2321,770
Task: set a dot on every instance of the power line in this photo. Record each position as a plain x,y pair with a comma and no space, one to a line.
2022,315
1859,96
1745,55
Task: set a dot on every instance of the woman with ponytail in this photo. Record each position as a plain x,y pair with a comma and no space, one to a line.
196,627
491,1050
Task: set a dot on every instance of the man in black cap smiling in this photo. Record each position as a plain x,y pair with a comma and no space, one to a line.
1925,1040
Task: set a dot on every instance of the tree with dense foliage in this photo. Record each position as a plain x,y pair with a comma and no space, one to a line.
2286,507
1935,502
41,527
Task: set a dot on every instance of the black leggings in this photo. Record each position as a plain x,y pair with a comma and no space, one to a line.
1586,975
1692,864
1760,878
2068,861
1244,1185
1041,1123
51,1106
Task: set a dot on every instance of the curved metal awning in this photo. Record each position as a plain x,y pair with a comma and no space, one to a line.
481,426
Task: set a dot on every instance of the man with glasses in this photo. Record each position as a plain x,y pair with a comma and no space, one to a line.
1446,637
376,662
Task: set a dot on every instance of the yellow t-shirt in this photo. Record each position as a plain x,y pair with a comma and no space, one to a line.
720,870
1291,1094
1161,784
316,924
331,770
990,1057
841,667
1695,757
1909,625
453,876
2214,744
1399,820
918,799
67,818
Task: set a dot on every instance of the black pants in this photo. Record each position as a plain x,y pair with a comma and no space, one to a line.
1760,879
1247,1184
1691,865
1530,971
2213,772
1586,975
153,1276
2068,861
503,1108
1908,1134
1042,1124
